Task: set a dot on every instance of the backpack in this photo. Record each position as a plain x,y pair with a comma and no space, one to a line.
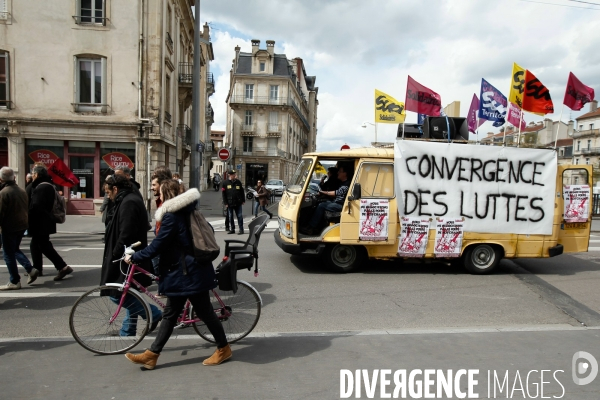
59,208
204,242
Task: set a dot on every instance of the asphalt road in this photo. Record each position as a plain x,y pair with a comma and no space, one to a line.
532,314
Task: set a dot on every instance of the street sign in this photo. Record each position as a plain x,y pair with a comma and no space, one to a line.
224,154
239,166
200,147
345,147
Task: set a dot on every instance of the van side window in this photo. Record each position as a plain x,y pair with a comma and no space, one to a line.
376,180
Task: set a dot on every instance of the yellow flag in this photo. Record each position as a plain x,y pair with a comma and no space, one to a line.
517,85
388,110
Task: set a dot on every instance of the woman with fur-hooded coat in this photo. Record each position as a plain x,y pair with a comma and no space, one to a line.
182,277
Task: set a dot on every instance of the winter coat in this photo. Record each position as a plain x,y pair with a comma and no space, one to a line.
263,196
40,207
13,208
233,192
105,208
127,226
136,188
180,273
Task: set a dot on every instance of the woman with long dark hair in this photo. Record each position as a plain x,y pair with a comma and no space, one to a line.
182,277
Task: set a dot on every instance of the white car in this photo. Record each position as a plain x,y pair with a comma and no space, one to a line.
276,186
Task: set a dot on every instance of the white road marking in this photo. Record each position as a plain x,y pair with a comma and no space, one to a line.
593,248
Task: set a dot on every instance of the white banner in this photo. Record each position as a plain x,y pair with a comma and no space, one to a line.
413,237
577,202
495,189
448,237
374,219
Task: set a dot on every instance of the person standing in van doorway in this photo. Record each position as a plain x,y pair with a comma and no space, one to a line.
41,224
234,197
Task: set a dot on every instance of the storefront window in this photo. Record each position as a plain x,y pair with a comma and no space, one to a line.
113,154
82,147
44,151
83,169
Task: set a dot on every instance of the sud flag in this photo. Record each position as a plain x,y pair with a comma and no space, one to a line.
61,174
421,99
387,109
517,85
492,106
472,117
577,94
536,97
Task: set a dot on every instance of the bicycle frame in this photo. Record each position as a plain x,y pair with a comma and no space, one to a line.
183,319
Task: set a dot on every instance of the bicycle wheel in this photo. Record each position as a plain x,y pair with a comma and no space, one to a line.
244,307
90,324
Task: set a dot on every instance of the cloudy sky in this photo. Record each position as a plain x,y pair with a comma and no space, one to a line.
355,46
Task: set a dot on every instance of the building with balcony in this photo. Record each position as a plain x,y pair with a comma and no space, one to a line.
111,82
586,138
271,114
541,134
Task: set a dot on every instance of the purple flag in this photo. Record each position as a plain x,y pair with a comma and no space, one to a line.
493,104
472,117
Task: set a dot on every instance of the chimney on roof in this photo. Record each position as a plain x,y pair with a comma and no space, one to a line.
237,57
271,47
593,105
255,45
548,123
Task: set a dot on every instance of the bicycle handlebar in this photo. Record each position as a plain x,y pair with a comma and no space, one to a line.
128,250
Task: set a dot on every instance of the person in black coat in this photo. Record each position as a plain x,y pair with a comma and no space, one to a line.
182,277
125,228
42,225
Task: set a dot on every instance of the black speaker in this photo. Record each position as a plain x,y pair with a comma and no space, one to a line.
437,128
411,131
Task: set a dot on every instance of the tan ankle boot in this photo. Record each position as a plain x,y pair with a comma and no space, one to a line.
147,358
218,356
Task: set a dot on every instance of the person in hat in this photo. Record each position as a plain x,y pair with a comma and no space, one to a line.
234,197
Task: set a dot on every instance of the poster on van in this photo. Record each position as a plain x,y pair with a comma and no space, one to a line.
448,237
495,189
414,234
374,219
577,202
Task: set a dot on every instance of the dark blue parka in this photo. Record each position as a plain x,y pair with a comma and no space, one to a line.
180,274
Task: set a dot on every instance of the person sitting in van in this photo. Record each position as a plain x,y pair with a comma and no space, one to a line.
344,174
330,183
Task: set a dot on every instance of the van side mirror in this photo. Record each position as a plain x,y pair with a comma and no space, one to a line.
356,192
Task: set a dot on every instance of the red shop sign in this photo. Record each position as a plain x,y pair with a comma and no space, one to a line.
45,157
115,160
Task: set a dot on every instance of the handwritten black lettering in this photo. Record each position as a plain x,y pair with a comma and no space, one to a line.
440,203
423,203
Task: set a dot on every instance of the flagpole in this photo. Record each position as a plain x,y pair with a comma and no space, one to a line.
477,129
559,121
519,136
376,133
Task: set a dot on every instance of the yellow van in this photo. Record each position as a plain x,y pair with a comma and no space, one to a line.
506,202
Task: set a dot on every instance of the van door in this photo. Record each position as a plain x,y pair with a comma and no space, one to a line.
373,219
574,236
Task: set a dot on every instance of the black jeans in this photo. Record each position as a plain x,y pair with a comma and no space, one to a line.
237,210
41,244
203,309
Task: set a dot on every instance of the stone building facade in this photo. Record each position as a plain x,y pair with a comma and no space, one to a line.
271,114
97,83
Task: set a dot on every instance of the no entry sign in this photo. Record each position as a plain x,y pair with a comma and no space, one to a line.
224,155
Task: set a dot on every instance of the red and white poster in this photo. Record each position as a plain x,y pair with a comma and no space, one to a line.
577,202
374,219
43,156
413,237
116,159
448,237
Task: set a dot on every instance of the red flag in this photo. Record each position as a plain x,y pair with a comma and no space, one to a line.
577,94
61,174
536,97
421,99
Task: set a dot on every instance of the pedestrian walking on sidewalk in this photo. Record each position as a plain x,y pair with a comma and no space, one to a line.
42,225
182,276
263,199
235,197
13,222
126,227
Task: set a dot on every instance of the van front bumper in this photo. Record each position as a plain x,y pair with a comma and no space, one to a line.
300,248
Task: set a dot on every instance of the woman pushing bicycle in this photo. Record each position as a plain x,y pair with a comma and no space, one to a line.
182,277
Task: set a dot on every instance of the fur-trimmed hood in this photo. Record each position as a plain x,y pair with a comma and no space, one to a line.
177,203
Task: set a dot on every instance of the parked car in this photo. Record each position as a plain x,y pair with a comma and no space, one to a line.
276,186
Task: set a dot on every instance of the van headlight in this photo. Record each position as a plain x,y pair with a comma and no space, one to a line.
286,227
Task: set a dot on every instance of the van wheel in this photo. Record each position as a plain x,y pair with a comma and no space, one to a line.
481,258
343,258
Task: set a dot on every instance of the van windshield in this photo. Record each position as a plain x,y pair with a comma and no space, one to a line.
300,176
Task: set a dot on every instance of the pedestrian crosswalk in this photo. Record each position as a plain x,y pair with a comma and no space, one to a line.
594,243
219,224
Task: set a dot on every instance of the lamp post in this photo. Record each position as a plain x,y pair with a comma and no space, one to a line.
364,125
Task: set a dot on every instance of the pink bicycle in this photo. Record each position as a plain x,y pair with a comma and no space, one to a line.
98,317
